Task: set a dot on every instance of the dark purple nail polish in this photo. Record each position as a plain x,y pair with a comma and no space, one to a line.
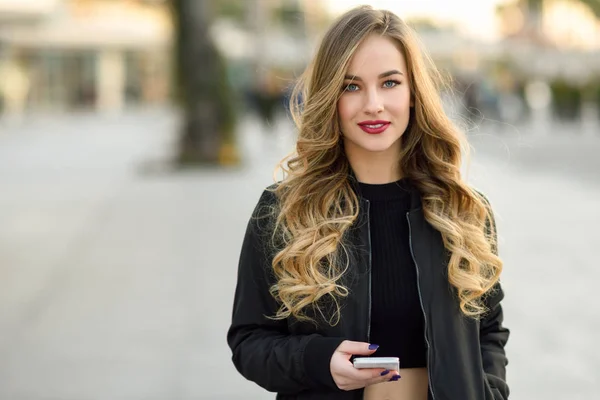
395,378
373,346
387,371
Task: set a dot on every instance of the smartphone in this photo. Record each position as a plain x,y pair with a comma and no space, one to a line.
389,363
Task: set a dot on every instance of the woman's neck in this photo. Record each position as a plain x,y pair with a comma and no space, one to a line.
375,168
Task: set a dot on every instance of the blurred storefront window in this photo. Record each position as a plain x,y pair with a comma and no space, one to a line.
85,54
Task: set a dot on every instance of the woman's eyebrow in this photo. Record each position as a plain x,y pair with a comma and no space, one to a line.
383,75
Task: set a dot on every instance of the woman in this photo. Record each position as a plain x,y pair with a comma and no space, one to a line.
372,237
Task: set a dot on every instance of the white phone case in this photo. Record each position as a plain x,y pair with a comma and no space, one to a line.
390,363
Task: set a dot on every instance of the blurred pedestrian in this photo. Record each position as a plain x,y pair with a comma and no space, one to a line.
373,236
269,95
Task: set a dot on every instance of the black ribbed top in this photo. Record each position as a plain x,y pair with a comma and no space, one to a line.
397,324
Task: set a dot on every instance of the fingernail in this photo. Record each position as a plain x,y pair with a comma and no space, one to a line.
387,371
373,346
395,378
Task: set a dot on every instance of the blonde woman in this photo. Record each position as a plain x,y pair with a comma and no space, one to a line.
372,244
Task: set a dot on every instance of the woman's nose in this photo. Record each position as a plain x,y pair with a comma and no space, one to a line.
374,102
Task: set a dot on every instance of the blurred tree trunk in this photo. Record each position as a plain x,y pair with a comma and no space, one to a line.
207,135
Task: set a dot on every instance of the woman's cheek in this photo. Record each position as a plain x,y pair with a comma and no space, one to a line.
345,107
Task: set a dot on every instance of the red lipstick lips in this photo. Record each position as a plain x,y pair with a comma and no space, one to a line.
374,127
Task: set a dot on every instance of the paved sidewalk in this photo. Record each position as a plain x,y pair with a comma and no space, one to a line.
117,284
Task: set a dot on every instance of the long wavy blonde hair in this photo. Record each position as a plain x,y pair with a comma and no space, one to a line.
317,204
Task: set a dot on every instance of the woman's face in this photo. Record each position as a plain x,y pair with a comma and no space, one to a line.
374,108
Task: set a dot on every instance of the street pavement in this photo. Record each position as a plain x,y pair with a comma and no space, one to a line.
117,273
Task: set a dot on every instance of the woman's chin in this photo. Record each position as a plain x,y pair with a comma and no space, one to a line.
382,147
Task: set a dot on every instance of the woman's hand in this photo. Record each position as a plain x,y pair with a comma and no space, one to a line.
347,377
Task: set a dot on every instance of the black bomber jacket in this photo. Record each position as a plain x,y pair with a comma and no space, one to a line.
465,357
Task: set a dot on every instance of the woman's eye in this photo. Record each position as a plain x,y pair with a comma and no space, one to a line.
351,87
390,84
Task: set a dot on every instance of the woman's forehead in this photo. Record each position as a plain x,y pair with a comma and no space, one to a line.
376,55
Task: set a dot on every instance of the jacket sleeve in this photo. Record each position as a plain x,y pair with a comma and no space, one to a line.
493,335
263,350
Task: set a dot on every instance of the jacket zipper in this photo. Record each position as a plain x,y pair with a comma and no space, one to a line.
429,363
370,265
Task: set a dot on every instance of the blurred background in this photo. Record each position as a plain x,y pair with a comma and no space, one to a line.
137,135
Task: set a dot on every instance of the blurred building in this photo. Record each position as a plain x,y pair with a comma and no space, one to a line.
268,43
279,33
83,54
551,39
561,24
